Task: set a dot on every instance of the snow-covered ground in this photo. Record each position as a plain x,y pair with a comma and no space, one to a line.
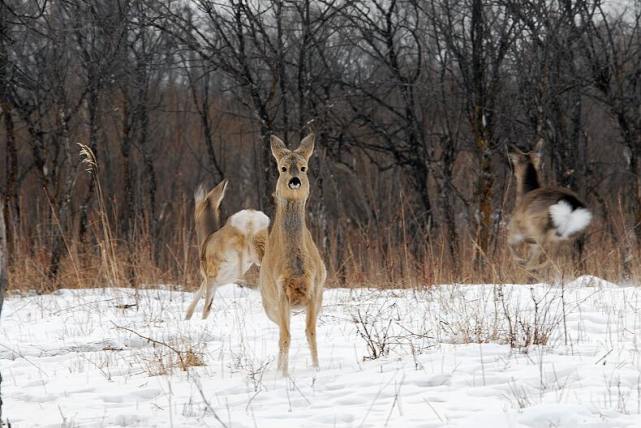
83,358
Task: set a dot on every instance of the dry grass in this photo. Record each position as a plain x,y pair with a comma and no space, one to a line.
396,254
370,256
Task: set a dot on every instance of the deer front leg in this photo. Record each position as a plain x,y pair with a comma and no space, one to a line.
310,331
513,240
284,339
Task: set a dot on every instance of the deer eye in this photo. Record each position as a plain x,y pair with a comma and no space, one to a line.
283,168
303,168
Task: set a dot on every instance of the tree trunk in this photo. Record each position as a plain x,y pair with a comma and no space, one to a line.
4,256
208,132
11,207
63,223
11,204
127,216
125,151
445,196
142,121
482,138
92,107
635,158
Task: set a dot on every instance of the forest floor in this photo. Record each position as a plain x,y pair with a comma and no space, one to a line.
541,355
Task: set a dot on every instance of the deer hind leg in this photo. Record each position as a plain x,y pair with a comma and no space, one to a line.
209,297
515,256
534,262
533,256
578,249
197,295
514,239
285,338
310,331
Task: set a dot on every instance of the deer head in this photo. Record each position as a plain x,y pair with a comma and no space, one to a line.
520,160
293,183
526,167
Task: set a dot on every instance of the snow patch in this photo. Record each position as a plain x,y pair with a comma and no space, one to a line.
72,358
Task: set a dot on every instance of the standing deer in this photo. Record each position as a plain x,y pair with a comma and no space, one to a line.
292,273
543,217
225,253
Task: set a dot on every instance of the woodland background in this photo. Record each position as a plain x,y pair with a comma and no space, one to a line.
414,103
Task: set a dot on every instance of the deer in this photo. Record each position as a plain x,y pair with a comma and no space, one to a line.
227,252
543,217
292,273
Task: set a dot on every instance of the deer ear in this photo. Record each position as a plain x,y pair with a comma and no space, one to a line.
218,193
538,147
535,158
514,154
278,148
306,147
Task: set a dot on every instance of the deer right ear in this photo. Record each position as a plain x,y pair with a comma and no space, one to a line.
279,149
218,193
538,147
514,154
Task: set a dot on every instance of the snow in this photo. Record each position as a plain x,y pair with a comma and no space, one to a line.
81,358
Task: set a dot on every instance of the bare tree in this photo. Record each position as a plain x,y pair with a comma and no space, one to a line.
3,281
613,52
389,76
479,37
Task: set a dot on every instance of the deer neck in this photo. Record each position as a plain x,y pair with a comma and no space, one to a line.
290,218
526,181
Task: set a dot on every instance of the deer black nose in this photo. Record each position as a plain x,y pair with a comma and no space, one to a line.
294,183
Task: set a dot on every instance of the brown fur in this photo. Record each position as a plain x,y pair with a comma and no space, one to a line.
207,210
292,273
531,222
226,254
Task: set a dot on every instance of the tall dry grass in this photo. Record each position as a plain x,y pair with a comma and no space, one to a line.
388,256
397,254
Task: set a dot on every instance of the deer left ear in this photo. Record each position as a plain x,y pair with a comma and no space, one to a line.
306,147
538,147
535,158
279,149
514,154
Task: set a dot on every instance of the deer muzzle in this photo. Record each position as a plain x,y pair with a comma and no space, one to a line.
294,183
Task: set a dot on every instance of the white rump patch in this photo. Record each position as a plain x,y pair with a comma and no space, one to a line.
249,221
568,221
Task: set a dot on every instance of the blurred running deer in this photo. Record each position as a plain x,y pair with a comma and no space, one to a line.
543,217
292,273
226,253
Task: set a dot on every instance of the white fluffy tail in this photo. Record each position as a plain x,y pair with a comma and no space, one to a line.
568,221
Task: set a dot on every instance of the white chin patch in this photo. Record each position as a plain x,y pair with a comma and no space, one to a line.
294,186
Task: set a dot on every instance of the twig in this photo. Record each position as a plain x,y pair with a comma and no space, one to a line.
603,357
211,409
157,342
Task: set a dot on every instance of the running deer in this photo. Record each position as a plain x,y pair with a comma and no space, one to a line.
543,217
226,253
292,273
